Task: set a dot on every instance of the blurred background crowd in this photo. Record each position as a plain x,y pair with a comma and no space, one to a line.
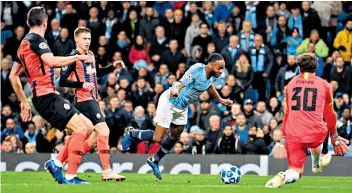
159,41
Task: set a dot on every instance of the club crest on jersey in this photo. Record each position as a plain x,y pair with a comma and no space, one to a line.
67,106
64,68
189,76
43,45
98,116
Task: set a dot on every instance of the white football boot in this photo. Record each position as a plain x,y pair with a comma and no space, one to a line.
277,181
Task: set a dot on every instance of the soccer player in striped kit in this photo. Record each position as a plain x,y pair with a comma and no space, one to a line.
84,79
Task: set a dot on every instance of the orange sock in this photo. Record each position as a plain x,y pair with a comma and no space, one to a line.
75,152
104,152
63,154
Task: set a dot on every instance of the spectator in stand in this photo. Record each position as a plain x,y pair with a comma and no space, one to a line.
7,146
178,148
148,25
236,89
11,129
285,74
254,145
342,75
344,125
131,26
229,143
319,71
122,45
295,20
185,139
5,81
162,75
181,70
231,53
193,9
192,31
124,10
275,109
6,33
210,51
30,148
167,20
158,46
268,24
248,109
141,93
251,12
204,114
63,45
199,145
203,39
282,10
139,51
162,6
14,42
208,9
69,20
243,71
338,104
97,27
262,61
320,48
275,148
263,116
234,21
310,19
278,41
222,11
6,113
246,36
126,112
213,134
151,111
140,120
178,29
158,90
17,145
241,128
221,39
293,42
343,41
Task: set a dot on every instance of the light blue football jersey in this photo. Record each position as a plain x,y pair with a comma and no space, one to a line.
196,82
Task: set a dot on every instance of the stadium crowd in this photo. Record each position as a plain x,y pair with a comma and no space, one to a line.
159,41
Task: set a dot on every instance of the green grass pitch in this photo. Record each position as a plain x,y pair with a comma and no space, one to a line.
41,182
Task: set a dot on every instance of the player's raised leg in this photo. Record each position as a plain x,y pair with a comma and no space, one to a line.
166,145
163,119
296,156
102,130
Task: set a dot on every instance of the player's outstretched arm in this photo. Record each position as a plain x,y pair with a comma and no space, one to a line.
212,90
17,69
61,61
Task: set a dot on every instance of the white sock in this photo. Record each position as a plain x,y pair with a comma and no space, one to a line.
69,176
57,162
106,171
291,176
315,155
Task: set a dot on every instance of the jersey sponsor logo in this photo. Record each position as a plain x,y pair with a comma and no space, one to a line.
64,68
67,106
43,45
98,116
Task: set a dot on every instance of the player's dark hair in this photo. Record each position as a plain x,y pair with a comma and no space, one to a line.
80,30
215,57
307,62
36,16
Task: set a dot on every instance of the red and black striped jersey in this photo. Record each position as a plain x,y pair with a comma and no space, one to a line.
41,76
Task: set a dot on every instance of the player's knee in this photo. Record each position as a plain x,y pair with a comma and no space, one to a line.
102,129
175,131
157,139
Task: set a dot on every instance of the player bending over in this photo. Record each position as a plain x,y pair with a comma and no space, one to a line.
171,114
35,58
84,78
309,100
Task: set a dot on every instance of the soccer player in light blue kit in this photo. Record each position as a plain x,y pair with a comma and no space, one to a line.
171,114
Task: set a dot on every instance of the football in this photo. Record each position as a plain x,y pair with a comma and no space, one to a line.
231,175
